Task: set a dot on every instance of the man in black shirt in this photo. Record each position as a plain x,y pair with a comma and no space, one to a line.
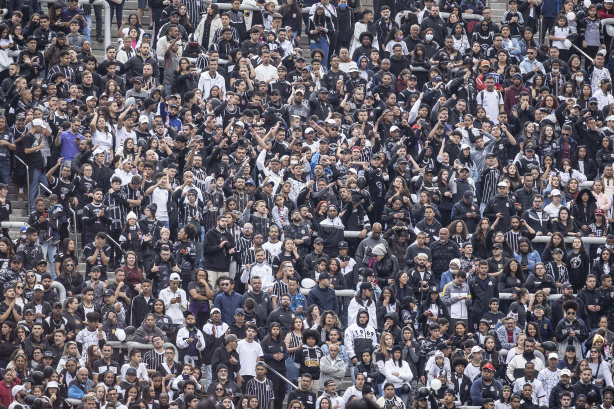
33,143
9,311
303,394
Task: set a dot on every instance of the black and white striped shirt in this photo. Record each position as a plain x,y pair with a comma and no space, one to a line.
262,390
153,359
490,179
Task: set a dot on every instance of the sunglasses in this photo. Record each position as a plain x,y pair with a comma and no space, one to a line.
571,313
218,389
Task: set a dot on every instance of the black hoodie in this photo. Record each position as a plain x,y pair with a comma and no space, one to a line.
395,330
584,214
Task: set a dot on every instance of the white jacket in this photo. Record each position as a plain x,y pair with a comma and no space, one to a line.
405,374
175,311
183,335
216,23
359,338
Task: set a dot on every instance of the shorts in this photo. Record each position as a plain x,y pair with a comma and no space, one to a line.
142,4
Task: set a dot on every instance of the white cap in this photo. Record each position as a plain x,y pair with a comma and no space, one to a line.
475,349
603,52
610,118
353,68
174,277
144,119
88,99
309,129
239,123
52,384
39,287
331,121
98,150
555,192
455,261
38,122
553,355
465,146
502,184
16,389
566,372
394,128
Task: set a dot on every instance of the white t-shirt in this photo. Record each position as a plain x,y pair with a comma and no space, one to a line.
122,134
249,352
265,73
160,197
491,101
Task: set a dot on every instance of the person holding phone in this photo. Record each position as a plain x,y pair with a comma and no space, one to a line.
175,300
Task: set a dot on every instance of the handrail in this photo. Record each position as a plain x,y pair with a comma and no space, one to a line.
27,179
74,215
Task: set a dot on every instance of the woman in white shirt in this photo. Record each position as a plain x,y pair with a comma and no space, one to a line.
397,371
102,135
553,208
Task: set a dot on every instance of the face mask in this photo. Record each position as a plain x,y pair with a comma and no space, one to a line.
428,37
386,17
343,6
399,38
579,79
555,71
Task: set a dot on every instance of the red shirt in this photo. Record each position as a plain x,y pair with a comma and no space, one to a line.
6,396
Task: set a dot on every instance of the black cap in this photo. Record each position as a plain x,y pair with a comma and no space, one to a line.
16,258
323,90
109,292
343,245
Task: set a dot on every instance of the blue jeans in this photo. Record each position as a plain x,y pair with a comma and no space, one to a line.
291,372
118,10
38,176
5,174
322,44
49,254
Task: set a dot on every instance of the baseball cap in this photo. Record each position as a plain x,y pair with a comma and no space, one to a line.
38,122
144,119
16,258
318,240
88,99
502,184
174,277
239,311
38,287
489,366
131,371
555,192
476,349
16,389
324,276
566,372
109,292
214,310
599,211
553,355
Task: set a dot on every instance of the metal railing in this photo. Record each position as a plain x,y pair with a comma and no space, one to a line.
27,180
74,214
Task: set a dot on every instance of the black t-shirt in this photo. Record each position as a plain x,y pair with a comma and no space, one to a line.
100,367
88,251
4,307
35,159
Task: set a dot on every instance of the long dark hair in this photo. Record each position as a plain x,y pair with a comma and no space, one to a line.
507,270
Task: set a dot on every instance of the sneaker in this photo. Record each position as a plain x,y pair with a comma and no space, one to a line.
99,38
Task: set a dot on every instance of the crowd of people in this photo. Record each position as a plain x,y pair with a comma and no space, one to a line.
226,183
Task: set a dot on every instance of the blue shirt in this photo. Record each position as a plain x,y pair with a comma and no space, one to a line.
68,146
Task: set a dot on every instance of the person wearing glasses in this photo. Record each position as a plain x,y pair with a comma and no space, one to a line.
570,330
530,66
